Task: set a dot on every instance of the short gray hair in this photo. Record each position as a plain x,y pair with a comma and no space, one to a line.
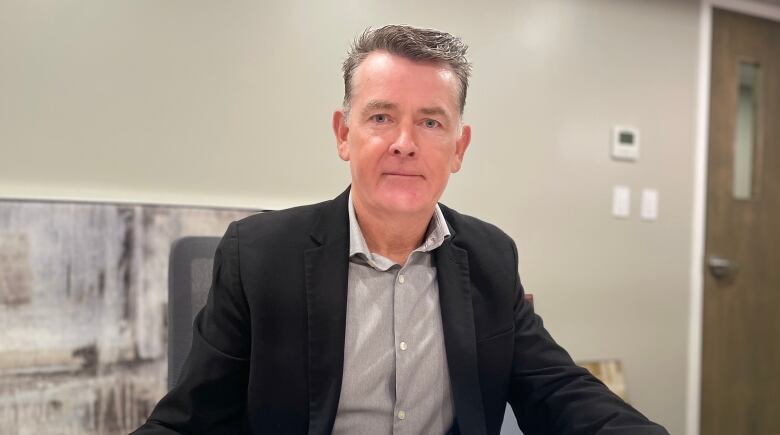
413,43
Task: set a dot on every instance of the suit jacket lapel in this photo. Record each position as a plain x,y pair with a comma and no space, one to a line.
326,298
459,336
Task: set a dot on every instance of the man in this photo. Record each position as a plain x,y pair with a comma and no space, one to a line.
382,311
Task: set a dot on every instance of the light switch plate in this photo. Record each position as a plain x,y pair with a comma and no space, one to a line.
649,207
621,201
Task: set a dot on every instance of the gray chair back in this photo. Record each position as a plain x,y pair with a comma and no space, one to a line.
189,281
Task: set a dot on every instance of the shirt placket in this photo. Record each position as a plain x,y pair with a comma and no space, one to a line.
401,290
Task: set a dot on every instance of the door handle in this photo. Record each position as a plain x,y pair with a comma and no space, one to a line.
721,267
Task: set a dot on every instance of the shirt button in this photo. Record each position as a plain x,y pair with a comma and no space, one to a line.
401,415
403,345
401,279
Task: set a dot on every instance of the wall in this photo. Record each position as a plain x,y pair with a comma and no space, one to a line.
228,103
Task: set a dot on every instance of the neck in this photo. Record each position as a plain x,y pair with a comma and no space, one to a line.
393,237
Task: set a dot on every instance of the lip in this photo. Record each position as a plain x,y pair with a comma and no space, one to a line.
402,174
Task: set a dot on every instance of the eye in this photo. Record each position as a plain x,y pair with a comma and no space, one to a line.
431,123
379,119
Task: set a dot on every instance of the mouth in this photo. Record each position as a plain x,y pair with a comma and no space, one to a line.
402,174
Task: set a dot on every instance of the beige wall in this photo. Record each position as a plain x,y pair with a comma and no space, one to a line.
228,103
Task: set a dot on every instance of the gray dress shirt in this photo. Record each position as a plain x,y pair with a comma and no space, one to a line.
396,379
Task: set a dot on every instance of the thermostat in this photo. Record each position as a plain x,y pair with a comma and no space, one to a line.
625,143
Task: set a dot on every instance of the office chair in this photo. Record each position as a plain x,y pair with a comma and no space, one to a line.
189,281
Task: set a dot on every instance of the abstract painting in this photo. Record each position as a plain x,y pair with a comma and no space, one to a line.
83,299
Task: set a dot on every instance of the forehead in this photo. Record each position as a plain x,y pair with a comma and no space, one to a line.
389,77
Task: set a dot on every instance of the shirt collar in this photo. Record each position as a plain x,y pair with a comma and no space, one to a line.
436,234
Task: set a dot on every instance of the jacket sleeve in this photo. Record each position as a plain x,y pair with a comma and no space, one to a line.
550,394
210,395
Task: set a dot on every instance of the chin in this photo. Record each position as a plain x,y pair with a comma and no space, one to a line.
408,203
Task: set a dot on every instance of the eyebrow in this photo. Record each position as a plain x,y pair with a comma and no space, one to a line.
379,105
430,111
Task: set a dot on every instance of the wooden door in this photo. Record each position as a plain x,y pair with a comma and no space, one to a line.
741,341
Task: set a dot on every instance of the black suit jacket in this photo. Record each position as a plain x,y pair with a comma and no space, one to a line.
268,348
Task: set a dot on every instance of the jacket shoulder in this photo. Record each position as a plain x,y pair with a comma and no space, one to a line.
471,232
289,224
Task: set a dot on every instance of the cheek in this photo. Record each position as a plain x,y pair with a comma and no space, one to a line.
367,157
446,160
372,150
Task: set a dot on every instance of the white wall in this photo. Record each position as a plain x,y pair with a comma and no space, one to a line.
229,103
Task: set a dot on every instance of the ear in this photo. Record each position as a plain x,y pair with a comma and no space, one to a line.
341,130
461,145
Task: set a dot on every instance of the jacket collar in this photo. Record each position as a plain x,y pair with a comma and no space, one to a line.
332,223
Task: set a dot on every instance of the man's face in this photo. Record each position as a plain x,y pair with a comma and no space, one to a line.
403,136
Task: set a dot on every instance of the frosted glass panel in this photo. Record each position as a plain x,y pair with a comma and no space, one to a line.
745,132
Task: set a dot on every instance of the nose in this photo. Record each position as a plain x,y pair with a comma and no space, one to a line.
404,145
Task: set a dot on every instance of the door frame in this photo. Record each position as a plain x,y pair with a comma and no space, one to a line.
701,148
